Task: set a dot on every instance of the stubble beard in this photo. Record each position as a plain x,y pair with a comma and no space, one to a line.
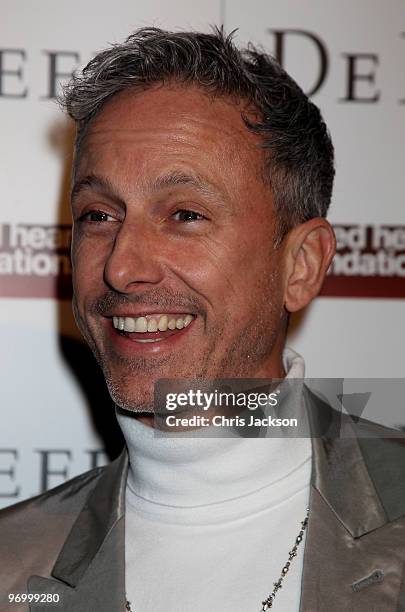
242,358
244,355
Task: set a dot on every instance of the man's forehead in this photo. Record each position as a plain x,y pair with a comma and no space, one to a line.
175,136
182,111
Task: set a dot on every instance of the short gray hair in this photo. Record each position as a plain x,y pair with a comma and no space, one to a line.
298,152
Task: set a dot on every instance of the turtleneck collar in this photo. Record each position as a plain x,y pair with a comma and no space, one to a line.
189,472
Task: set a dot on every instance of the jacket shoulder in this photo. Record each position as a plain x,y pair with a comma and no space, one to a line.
73,487
32,532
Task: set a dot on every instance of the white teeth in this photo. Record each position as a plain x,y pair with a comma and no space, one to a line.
129,325
141,324
152,325
144,340
163,321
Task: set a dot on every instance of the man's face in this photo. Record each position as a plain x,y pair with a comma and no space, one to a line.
175,273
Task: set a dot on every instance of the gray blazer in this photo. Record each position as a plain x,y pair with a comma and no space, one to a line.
70,540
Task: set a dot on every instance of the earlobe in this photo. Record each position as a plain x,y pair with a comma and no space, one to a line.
309,252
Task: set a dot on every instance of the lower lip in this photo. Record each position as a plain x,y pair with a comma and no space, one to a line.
127,344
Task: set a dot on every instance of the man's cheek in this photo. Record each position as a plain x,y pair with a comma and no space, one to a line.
87,268
214,273
77,256
213,251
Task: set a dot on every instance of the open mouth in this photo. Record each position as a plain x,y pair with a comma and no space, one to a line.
152,328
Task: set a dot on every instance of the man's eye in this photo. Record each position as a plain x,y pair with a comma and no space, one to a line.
96,216
188,215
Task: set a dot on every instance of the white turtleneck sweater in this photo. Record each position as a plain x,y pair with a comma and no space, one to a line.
210,520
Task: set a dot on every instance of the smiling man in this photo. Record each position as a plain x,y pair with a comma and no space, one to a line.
182,266
202,177
177,270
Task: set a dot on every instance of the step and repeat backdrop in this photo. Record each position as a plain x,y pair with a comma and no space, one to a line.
56,417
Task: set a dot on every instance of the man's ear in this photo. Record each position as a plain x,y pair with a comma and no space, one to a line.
309,250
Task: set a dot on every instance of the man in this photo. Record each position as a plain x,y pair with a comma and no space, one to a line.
202,177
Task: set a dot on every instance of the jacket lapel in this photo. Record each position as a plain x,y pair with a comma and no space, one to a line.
354,556
89,572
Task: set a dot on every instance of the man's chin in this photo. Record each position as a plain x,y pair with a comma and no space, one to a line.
139,401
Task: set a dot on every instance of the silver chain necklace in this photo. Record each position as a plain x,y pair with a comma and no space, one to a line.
268,602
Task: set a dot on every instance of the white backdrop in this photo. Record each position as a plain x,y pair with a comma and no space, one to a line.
49,425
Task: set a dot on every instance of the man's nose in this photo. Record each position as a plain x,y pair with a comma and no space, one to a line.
134,259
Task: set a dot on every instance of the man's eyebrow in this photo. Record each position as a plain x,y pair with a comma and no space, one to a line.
166,181
92,181
176,178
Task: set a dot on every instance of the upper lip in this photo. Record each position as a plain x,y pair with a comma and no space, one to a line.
146,311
